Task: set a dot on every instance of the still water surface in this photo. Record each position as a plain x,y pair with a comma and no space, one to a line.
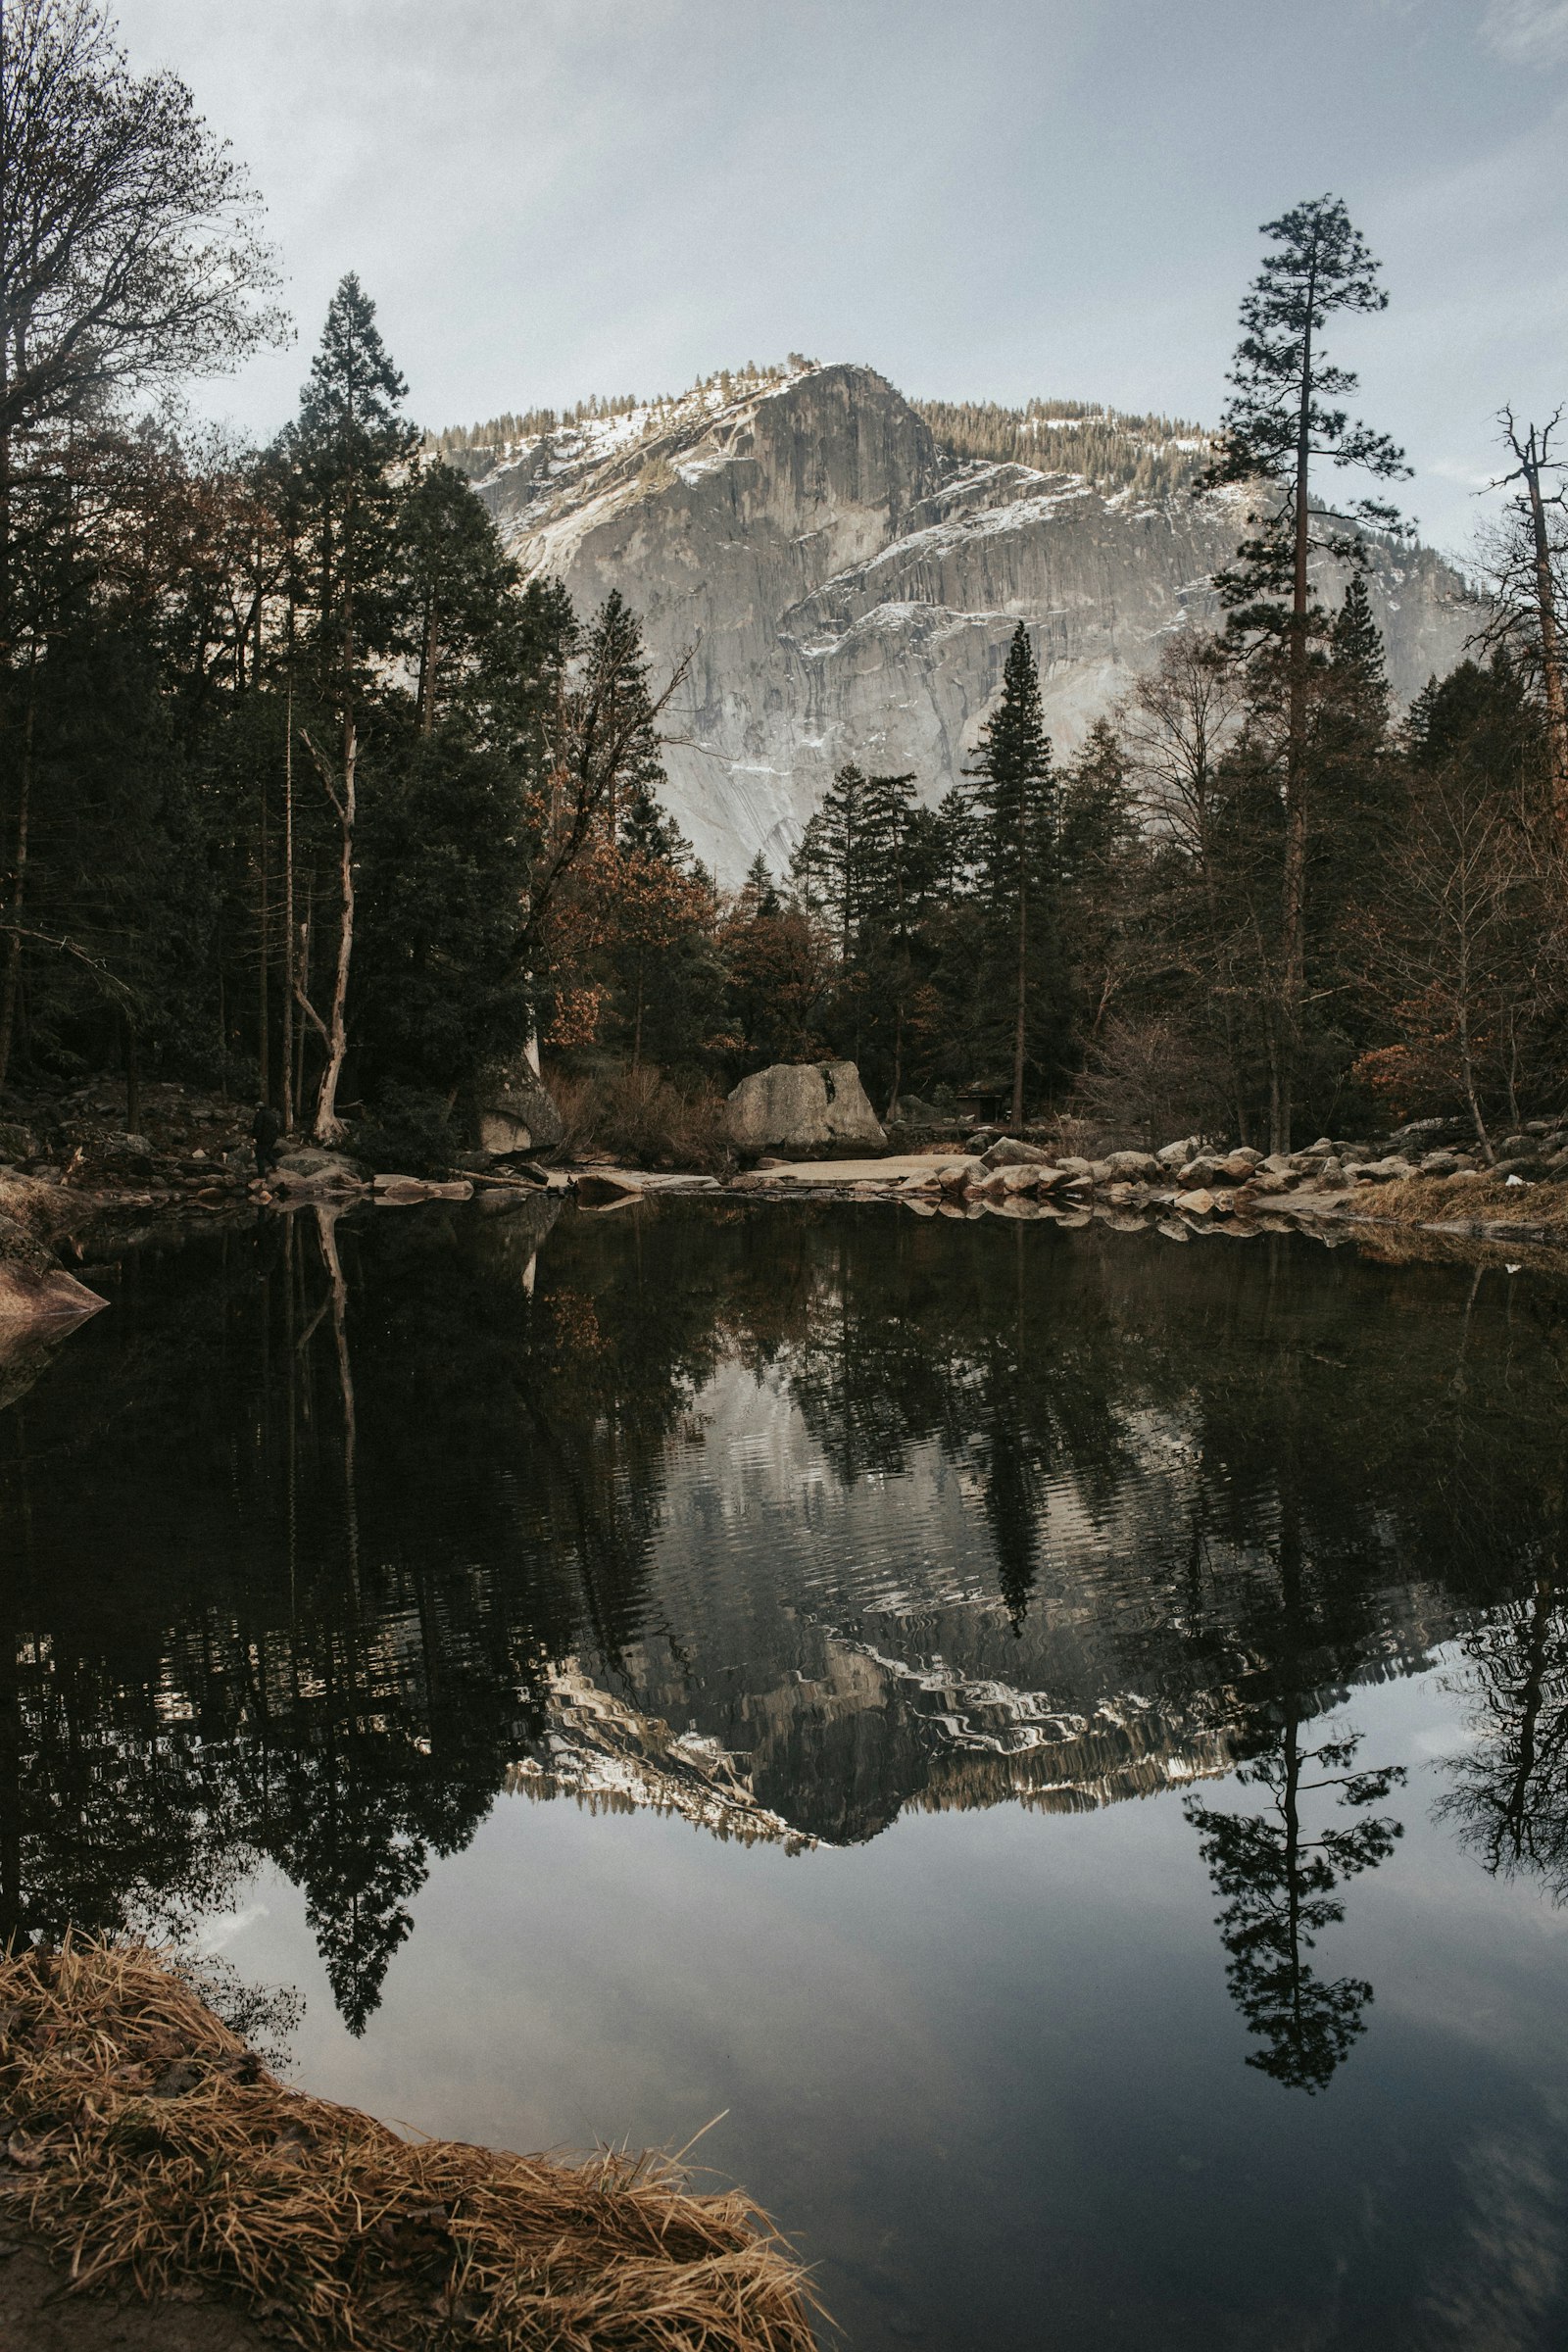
1060,1739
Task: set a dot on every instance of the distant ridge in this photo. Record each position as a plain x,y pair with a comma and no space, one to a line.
847,566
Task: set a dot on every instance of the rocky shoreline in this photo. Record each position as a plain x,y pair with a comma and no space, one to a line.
1184,1189
77,1187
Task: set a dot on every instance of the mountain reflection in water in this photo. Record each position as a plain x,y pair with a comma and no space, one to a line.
783,1520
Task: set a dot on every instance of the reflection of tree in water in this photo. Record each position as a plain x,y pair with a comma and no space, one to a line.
318,1654
1279,1883
360,1499
894,1349
1510,1791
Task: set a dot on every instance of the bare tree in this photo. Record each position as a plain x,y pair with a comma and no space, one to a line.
327,1127
1175,727
1442,944
600,731
129,257
1527,560
128,250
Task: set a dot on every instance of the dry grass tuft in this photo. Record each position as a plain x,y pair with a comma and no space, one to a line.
153,2150
1440,1200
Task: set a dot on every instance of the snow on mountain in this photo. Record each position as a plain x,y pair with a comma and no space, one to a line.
846,585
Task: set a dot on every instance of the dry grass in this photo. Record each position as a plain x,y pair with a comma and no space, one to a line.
154,2151
1439,1200
643,1121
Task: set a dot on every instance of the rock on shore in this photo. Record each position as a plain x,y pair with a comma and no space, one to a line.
806,1106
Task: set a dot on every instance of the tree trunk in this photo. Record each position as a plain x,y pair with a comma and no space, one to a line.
328,1127
132,1075
288,1096
264,1043
427,655
1551,641
1018,1012
1292,903
12,978
1467,1063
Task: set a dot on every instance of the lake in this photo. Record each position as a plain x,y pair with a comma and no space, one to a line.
1047,1749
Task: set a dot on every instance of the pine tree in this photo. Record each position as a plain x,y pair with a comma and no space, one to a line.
1280,418
618,708
829,869
1014,793
344,455
1356,649
456,583
1098,831
346,447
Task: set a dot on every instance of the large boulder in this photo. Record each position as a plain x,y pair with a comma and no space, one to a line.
812,1110
517,1112
34,1287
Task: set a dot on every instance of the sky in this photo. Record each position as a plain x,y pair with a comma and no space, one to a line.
983,199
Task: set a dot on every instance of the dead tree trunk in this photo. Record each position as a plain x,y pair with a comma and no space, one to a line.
1534,454
13,979
327,1127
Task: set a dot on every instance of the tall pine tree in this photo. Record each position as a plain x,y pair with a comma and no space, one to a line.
1282,416
1014,792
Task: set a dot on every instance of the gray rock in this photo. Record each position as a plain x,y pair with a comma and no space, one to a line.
1177,1154
310,1170
1008,1152
515,1111
803,1106
1133,1163
34,1287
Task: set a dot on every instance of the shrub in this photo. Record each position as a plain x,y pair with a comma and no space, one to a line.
642,1118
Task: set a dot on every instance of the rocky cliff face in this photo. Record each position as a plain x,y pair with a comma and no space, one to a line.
846,588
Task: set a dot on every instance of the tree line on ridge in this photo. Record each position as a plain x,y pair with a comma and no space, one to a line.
306,794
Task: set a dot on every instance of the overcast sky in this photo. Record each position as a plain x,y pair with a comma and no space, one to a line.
981,198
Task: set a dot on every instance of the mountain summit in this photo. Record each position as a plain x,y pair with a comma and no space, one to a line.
847,574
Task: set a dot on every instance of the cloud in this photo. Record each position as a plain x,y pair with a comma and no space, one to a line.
1528,32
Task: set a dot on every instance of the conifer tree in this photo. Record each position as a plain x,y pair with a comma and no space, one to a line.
455,581
345,452
1014,793
618,711
1281,417
828,870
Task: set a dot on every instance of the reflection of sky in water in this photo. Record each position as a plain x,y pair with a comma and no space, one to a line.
987,2067
879,1551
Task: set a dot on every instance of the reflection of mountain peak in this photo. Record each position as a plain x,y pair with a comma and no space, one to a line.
600,1750
838,1755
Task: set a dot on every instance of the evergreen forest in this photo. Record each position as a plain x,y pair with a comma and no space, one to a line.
306,796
